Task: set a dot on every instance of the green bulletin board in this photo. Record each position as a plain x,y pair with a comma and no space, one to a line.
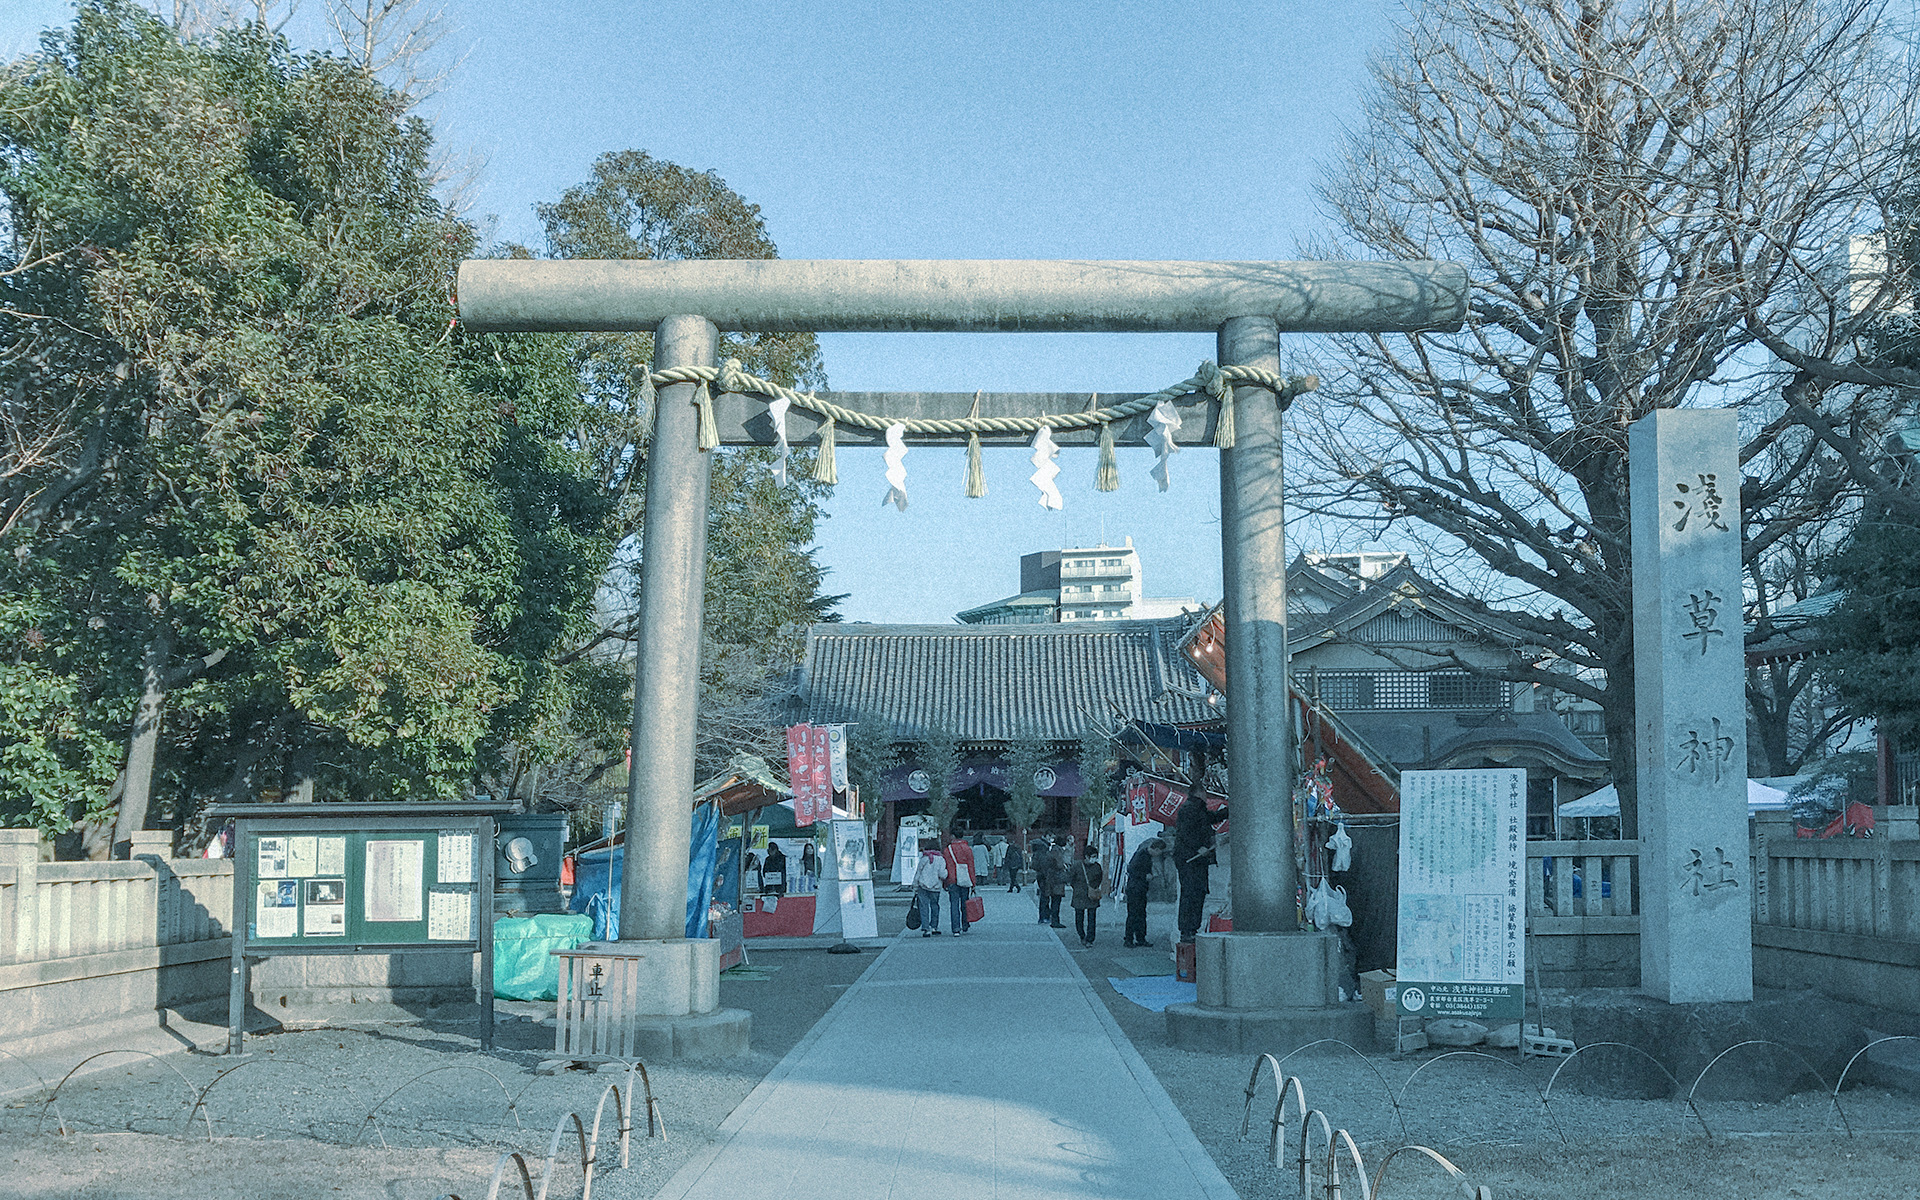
346,878
337,888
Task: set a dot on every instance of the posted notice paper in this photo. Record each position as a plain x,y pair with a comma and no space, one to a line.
449,916
394,880
276,909
302,857
332,857
454,858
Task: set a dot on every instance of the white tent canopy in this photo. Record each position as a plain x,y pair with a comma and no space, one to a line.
1606,801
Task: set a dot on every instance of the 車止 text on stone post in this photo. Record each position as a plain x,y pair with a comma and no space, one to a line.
1696,936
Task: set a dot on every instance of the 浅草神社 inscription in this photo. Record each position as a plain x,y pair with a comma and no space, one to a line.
1696,942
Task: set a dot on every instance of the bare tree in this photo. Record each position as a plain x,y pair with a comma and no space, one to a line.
1650,197
393,40
198,18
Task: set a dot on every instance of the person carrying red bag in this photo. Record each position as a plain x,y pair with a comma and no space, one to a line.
960,875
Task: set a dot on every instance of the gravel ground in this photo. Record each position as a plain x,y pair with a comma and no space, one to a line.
290,1122
1487,1115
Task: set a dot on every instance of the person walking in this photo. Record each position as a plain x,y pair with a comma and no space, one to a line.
1192,854
958,860
1013,862
1139,878
1089,885
1057,859
928,880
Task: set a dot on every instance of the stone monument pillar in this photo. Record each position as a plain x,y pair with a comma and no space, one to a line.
1696,934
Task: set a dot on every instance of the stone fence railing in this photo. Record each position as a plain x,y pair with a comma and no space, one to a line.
1583,919
1582,887
1857,887
1840,915
92,950
74,909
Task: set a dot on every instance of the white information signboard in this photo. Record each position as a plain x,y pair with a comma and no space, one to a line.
1462,893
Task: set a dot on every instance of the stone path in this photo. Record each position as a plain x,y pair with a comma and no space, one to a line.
981,1065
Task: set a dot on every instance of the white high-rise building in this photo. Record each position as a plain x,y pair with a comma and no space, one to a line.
1092,583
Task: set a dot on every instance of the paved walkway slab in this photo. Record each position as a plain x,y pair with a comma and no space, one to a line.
981,1066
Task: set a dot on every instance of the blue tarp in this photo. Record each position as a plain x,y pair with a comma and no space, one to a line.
596,886
1154,992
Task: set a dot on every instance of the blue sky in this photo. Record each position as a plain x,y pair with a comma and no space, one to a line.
1034,129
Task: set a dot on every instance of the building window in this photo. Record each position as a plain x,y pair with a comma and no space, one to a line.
1458,689
1587,722
1410,689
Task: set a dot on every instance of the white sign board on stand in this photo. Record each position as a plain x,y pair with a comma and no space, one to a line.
906,854
1462,943
852,866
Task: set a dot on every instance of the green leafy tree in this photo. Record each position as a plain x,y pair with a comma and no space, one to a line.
939,756
1024,804
871,753
300,532
1098,761
763,583
1874,660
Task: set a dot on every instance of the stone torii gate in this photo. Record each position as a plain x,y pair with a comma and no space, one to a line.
1267,973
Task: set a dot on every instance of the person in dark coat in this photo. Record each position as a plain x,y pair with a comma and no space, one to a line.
1192,854
1058,859
1040,859
1139,878
1089,880
773,870
1014,863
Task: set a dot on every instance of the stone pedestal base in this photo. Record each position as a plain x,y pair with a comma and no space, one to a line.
721,1033
1267,970
1267,992
1274,1031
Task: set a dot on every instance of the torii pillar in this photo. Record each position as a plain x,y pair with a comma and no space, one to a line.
1267,985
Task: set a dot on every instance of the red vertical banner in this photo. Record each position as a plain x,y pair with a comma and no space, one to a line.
820,756
800,774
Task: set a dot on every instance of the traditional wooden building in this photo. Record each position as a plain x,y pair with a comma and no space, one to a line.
1388,658
990,686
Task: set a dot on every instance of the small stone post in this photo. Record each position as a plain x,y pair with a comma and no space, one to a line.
1689,653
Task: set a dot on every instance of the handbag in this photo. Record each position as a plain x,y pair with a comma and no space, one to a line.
976,910
913,914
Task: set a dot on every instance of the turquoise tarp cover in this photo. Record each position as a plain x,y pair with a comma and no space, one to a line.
524,967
